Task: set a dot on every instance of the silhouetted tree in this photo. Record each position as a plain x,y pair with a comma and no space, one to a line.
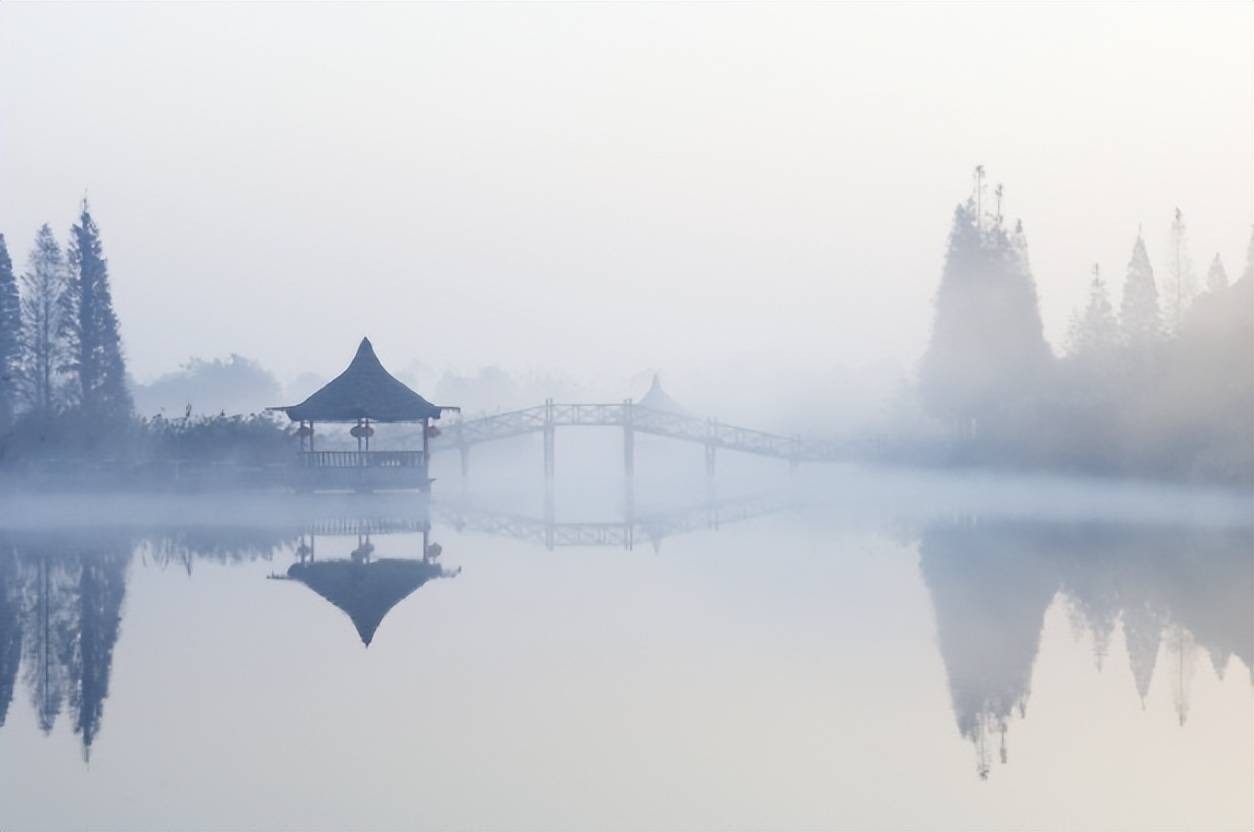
1248,272
97,347
1095,330
45,319
987,350
10,339
1180,286
1138,312
1216,276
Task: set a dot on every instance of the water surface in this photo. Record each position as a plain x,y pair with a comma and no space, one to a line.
764,662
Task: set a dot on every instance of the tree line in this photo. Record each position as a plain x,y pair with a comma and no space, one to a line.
1159,385
64,390
60,348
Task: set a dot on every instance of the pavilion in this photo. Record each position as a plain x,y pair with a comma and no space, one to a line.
365,392
658,399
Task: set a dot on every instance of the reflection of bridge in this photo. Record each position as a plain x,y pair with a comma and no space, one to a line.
653,527
633,419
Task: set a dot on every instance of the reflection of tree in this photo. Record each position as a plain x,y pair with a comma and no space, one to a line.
10,628
49,631
224,544
1175,590
70,586
102,584
990,594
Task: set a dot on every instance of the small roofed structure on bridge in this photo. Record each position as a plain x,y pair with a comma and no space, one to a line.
365,392
658,399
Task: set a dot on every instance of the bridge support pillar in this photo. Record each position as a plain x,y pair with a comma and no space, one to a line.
550,469
711,456
550,431
629,441
629,474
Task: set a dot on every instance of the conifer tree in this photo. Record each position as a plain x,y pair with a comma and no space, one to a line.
1216,276
45,295
1180,286
1138,311
97,347
1248,273
1095,331
987,349
10,339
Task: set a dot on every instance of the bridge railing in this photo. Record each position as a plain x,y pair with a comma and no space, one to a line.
709,432
589,414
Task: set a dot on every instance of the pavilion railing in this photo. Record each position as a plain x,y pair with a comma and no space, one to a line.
361,459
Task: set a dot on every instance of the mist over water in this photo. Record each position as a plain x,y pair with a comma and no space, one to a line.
626,416
982,646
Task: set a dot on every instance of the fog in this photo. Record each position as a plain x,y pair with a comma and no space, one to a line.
754,198
626,415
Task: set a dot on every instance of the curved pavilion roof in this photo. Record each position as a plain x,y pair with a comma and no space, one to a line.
366,592
364,391
659,399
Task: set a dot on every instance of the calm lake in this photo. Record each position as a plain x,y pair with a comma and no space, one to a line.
1046,660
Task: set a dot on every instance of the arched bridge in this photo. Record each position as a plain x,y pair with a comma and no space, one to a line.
633,418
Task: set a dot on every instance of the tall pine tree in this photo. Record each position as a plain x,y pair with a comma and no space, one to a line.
1138,311
1216,276
987,351
97,346
1248,273
10,339
1180,287
1095,331
45,304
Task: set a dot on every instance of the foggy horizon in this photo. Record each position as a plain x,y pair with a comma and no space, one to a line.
667,187
636,415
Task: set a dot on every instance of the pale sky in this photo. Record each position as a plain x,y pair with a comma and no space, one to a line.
603,188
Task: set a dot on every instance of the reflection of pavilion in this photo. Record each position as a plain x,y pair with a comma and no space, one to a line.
363,587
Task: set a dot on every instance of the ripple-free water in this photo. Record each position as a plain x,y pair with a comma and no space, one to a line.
801,666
